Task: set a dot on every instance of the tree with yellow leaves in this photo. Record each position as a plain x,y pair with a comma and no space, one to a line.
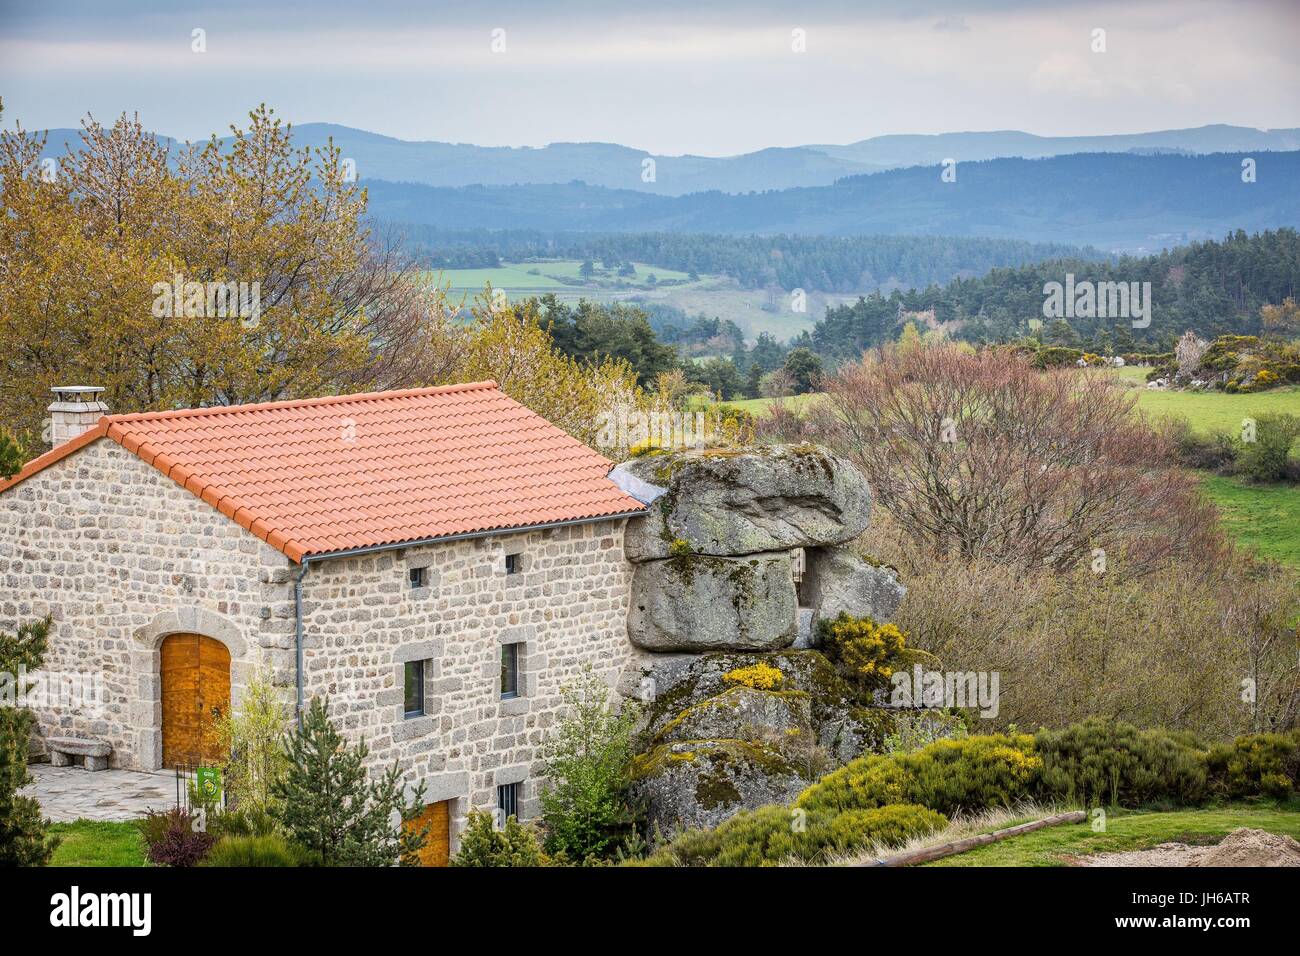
115,264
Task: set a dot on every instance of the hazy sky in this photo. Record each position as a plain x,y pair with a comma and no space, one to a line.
704,77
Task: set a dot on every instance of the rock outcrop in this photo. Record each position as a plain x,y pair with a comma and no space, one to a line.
716,554
727,732
728,503
702,603
837,581
736,717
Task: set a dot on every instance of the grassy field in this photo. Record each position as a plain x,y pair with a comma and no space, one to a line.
94,843
556,275
1211,412
1128,831
753,310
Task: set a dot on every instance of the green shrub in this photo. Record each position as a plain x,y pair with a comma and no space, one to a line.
585,806
946,776
1265,458
1260,764
1101,761
268,850
771,835
482,844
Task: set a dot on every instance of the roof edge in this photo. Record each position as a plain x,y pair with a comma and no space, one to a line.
303,402
56,454
317,556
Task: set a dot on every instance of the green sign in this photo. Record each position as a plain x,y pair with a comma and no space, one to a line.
207,780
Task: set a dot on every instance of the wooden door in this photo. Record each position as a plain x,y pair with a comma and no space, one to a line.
437,840
195,672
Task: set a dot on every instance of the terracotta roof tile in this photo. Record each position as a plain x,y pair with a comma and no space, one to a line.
353,471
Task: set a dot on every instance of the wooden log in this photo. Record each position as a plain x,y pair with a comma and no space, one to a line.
929,853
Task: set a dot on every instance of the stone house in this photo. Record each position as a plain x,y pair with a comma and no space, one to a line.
437,562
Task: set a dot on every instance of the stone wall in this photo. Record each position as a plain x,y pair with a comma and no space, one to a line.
121,556
363,621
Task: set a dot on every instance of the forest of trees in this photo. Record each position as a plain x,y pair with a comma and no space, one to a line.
1214,288
821,263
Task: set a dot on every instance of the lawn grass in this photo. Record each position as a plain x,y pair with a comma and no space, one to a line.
1263,517
1129,831
96,843
1210,412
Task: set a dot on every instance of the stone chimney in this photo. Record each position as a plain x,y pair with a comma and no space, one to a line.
76,409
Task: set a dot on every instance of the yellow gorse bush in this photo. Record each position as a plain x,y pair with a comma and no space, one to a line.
761,676
866,651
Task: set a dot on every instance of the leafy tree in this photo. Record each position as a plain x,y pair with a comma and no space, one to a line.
24,840
910,338
720,376
585,805
1281,319
252,736
327,803
804,369
483,845
587,269
83,258
959,447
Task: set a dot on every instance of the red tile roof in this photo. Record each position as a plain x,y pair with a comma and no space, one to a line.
352,471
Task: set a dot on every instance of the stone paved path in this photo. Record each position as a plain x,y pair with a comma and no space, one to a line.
73,793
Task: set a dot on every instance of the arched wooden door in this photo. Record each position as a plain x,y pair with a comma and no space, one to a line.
195,673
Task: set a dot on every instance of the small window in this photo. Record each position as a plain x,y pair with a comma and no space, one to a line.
419,577
509,671
508,801
414,701
512,563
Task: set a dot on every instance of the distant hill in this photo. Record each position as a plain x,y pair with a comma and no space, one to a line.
1114,201
613,166
968,147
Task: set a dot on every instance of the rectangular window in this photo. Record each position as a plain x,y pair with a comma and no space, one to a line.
508,801
414,706
509,671
419,577
512,563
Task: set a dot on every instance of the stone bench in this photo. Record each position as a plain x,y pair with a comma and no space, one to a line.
63,749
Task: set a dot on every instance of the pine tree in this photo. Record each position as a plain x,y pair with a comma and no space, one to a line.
329,805
11,456
23,837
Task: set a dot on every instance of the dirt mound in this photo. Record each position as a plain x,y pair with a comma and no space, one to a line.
1241,847
1246,847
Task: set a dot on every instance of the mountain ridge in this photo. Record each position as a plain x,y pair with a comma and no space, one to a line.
616,166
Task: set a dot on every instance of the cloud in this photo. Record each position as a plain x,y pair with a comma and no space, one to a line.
951,24
672,76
